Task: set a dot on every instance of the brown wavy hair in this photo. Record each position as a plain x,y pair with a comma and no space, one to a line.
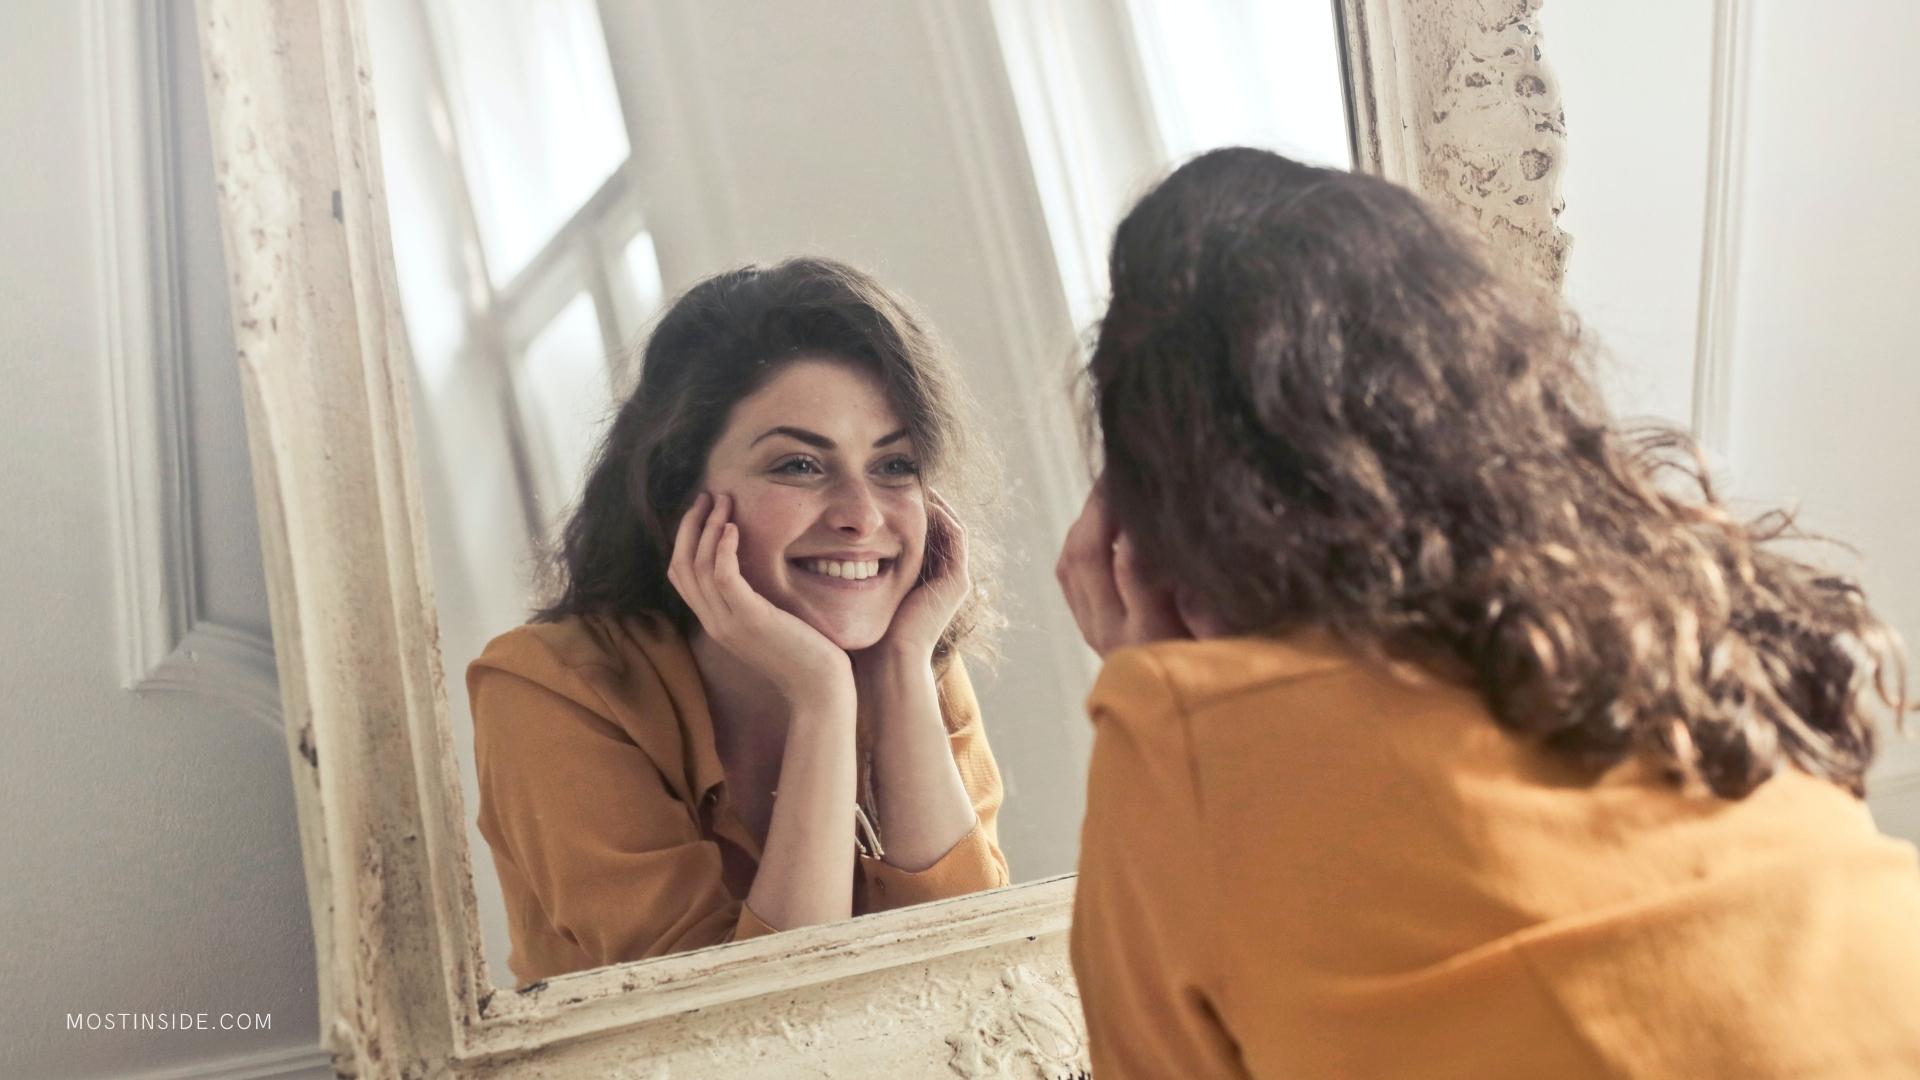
717,343
1321,404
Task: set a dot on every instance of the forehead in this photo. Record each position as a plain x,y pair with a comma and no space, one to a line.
832,397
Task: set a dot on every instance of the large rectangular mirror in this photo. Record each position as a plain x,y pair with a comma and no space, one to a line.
451,230
559,171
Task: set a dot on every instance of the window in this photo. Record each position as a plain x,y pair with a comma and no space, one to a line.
1113,93
524,260
535,115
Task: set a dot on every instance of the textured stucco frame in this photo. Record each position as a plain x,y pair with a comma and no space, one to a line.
1449,96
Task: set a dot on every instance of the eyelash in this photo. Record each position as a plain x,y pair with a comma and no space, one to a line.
911,467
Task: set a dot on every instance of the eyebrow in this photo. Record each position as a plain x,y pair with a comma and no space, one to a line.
821,441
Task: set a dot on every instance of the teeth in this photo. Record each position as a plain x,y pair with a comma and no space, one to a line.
852,571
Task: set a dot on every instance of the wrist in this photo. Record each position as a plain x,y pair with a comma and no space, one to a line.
833,710
887,667
827,689
890,654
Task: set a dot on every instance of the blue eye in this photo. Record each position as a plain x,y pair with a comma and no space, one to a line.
900,466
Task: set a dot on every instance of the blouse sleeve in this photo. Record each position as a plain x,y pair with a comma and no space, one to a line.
975,863
1141,943
610,857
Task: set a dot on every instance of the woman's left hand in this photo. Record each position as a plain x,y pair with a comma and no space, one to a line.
1100,573
929,607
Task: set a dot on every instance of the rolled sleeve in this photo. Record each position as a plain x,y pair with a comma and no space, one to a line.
972,865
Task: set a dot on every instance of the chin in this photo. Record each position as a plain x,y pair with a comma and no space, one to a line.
851,635
853,619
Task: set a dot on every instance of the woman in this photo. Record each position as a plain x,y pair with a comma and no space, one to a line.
1438,734
758,597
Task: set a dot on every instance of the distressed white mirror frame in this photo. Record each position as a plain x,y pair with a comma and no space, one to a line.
1449,96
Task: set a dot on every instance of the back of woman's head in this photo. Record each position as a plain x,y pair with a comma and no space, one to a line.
1320,404
716,344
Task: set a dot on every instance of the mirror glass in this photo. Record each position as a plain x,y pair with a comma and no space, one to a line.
558,171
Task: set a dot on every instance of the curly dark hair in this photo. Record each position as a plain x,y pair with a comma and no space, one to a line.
717,343
1321,404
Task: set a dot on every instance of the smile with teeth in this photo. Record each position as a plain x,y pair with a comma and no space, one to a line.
852,571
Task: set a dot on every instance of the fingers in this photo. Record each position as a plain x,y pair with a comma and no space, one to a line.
710,537
686,541
946,543
1107,587
1086,576
729,587
696,545
955,552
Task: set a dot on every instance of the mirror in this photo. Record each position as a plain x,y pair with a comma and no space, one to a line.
558,171
1455,101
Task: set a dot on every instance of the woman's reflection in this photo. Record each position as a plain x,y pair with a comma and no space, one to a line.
745,711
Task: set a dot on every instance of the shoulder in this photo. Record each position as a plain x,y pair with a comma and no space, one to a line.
631,678
1188,677
1245,707
579,656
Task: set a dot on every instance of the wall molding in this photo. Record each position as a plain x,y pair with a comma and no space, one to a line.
167,643
1720,255
309,1062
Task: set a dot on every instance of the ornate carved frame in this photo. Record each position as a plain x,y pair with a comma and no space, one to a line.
1449,96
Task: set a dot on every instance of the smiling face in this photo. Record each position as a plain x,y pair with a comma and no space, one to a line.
826,491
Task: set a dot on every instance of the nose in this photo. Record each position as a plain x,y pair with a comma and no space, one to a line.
852,511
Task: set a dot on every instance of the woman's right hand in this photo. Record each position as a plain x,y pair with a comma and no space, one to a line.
1100,574
797,659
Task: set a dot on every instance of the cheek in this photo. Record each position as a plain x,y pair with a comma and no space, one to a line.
769,523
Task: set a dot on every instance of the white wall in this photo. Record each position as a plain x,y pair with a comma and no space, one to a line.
150,858
1636,185
1822,386
1826,390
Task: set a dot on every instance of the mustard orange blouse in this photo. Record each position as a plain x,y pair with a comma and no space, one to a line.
1294,865
605,803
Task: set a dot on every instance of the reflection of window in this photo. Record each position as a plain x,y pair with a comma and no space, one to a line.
533,103
1112,93
524,259
561,384
1245,73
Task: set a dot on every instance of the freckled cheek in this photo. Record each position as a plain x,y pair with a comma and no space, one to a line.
770,520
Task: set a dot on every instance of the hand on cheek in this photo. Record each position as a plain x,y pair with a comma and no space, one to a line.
705,570
929,607
1106,588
